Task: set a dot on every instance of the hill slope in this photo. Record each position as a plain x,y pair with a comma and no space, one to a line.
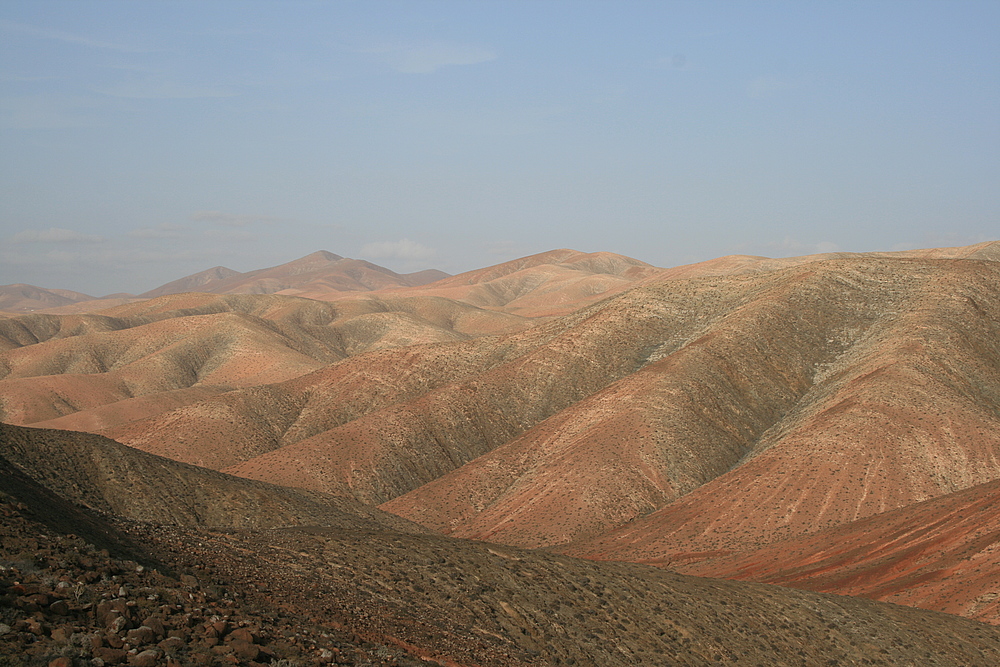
909,412
320,271
52,366
119,481
556,282
687,423
388,598
24,298
938,554
782,402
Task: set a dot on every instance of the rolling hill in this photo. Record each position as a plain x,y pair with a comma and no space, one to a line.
830,423
52,366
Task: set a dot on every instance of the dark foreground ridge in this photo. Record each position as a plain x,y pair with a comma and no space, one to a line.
65,603
172,595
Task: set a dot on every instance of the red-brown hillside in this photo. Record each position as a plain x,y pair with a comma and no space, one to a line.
939,554
686,421
52,365
550,283
811,405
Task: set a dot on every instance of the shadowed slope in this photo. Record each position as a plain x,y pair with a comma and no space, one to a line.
56,513
726,368
389,381
21,330
111,415
53,378
356,582
243,424
940,554
705,394
109,477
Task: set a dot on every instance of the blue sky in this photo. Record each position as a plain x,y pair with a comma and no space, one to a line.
143,141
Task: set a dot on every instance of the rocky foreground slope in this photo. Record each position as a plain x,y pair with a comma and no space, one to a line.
150,594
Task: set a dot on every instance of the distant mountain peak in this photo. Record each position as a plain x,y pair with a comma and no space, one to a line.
319,255
192,283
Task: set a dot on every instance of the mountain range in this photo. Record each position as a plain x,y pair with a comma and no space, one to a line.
550,428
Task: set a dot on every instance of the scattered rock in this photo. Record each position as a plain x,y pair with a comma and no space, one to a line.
147,658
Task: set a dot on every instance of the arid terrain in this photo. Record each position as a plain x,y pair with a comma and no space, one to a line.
150,582
529,464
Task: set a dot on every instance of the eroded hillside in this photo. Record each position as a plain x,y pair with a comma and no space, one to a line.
357,593
755,409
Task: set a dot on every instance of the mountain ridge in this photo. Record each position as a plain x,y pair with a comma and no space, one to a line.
705,418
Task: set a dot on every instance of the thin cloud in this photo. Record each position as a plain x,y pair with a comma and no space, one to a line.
507,249
165,91
46,111
231,235
944,240
676,61
54,235
789,246
164,231
229,219
401,249
765,85
66,37
428,57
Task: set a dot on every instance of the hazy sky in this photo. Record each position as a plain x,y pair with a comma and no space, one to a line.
143,141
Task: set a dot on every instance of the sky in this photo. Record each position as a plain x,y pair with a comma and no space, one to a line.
144,141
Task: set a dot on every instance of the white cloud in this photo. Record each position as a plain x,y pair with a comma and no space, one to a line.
229,219
54,235
428,57
401,249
